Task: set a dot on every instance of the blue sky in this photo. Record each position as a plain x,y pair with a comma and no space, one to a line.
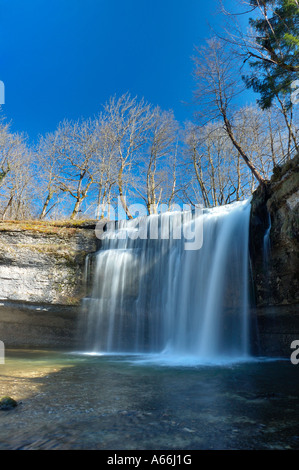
64,58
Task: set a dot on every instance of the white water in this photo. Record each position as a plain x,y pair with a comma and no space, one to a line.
266,244
155,296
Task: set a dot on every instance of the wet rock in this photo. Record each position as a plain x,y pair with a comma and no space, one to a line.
7,403
275,293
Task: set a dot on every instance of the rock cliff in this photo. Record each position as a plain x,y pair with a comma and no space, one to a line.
41,282
44,262
275,259
42,268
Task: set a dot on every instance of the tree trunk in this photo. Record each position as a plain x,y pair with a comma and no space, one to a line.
76,209
248,162
44,210
121,195
7,207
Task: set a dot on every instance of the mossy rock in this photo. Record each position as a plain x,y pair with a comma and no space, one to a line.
7,403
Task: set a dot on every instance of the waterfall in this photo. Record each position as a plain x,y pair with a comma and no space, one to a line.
266,259
266,244
159,295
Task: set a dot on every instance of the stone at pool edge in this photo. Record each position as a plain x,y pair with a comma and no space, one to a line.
7,403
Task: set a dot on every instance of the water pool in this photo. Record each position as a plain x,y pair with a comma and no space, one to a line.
69,400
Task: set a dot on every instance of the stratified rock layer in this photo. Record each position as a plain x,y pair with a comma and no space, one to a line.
42,262
42,282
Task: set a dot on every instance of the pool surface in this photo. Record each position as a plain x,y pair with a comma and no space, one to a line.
69,400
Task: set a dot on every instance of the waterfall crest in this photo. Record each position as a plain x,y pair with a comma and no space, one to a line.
154,295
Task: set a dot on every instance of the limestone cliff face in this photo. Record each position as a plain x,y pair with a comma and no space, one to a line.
276,274
44,262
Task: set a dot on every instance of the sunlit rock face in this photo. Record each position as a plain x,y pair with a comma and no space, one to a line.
43,263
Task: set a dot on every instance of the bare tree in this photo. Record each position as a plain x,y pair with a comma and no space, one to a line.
77,149
156,181
288,116
216,170
15,173
195,156
17,189
47,157
11,145
217,85
129,121
220,175
105,165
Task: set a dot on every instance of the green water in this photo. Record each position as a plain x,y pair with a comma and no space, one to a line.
74,401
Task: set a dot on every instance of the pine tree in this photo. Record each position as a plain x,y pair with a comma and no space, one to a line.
274,58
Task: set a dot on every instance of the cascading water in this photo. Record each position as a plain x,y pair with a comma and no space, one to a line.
266,244
161,295
266,257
